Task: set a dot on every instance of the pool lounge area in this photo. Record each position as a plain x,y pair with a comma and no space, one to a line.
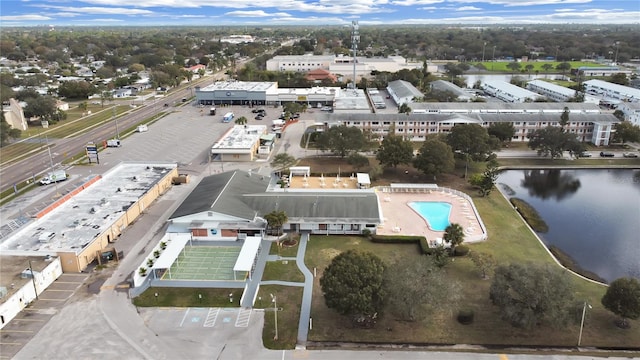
400,218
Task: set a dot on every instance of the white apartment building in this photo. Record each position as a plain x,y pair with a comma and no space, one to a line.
631,112
508,92
586,121
610,93
556,92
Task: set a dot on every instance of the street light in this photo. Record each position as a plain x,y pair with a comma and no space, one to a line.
274,300
584,311
615,61
483,47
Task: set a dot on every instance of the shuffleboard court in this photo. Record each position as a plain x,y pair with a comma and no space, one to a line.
204,263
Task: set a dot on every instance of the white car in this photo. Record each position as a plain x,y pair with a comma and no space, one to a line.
630,155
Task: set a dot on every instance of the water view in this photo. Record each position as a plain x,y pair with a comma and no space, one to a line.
593,215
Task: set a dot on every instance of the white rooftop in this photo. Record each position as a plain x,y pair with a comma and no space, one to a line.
240,86
511,89
248,253
240,138
553,87
75,224
623,91
351,99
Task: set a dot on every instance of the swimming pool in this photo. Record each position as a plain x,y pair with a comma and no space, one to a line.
435,213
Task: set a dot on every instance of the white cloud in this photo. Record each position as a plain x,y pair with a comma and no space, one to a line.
96,10
523,2
26,17
468,8
255,13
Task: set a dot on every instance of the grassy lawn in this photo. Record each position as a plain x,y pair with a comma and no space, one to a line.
285,270
288,299
188,297
501,66
509,241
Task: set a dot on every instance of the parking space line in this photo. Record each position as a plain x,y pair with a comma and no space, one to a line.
212,316
184,317
10,344
59,290
243,318
17,319
15,331
47,299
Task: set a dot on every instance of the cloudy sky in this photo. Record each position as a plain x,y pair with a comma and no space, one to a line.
314,12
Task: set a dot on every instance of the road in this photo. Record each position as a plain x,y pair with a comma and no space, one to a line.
62,149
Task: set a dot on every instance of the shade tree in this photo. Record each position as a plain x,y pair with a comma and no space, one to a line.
394,151
472,141
623,299
434,157
417,288
352,284
529,295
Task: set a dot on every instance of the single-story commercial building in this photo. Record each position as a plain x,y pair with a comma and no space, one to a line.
83,223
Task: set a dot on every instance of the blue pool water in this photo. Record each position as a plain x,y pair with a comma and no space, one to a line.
435,213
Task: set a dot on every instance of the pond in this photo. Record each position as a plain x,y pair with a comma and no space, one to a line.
593,215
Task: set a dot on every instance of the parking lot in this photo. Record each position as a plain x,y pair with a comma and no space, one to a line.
34,317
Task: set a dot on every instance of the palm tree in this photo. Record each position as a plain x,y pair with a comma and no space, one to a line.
454,235
241,120
275,221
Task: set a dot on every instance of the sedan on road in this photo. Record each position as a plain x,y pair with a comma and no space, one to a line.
606,154
630,155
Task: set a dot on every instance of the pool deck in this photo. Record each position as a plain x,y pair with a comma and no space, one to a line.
400,218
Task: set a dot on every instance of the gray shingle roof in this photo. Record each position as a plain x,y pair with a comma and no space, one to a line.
235,193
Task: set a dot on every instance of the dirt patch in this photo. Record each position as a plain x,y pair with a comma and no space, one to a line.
329,253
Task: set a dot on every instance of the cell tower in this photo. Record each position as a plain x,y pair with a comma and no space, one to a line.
355,39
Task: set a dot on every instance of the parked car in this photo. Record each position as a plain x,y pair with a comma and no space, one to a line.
326,108
606,154
584,154
259,117
260,110
630,155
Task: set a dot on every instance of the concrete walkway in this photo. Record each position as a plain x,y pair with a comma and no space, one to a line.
253,284
305,307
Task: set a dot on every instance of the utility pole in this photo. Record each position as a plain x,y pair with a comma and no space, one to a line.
355,38
116,120
55,183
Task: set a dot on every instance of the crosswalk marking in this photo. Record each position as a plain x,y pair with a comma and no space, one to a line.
243,318
212,316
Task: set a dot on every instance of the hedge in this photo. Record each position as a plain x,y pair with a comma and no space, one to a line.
402,239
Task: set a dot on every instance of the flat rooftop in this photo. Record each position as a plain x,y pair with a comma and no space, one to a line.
239,137
11,268
75,224
240,86
351,99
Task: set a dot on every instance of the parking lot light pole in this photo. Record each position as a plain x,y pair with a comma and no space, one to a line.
274,299
584,311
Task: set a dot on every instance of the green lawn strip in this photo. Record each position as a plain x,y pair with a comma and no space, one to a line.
501,66
288,299
509,241
285,270
284,251
188,297
13,152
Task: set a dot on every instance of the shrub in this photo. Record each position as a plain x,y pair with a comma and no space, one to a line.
163,245
530,215
395,239
149,262
466,316
156,254
461,250
366,233
142,271
428,250
424,246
